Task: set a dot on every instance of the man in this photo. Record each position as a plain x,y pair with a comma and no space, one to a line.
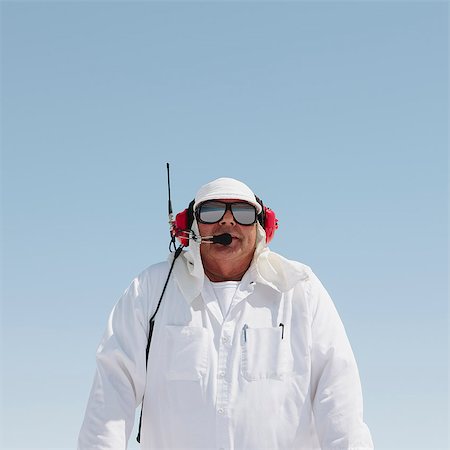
247,349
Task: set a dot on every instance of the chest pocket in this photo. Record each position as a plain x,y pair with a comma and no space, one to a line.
187,352
265,354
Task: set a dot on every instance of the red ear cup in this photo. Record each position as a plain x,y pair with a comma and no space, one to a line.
181,224
270,223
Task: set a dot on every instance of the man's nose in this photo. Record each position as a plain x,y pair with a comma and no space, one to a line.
227,218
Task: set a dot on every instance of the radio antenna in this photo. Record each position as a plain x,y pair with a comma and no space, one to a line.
170,201
172,245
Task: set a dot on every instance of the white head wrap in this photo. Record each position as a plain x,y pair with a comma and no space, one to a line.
226,188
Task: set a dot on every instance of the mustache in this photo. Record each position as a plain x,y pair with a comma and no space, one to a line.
229,230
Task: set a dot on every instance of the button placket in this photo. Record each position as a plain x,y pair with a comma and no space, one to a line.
222,399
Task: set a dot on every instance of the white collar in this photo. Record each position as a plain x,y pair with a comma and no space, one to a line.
267,267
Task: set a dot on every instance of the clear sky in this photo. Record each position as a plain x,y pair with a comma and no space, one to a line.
334,113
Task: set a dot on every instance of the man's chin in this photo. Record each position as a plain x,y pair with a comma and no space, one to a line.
225,252
232,248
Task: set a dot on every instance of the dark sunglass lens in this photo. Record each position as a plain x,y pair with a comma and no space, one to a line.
211,212
244,213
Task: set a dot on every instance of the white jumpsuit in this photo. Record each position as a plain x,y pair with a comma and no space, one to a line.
277,372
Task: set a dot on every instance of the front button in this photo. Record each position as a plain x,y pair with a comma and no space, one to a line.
220,411
221,374
225,339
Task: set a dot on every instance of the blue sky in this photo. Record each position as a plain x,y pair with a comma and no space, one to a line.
335,113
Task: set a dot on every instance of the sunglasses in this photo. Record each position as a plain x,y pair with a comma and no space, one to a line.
213,211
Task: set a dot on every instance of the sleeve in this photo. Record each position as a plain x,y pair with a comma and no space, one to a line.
335,384
119,380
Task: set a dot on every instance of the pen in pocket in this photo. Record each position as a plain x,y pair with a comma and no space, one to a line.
282,330
244,332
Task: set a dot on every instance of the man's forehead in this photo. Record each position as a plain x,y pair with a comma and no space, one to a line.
228,200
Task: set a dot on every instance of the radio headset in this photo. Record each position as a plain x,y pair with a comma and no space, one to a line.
180,229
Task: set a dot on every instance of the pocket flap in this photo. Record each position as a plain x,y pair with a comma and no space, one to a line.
187,352
265,354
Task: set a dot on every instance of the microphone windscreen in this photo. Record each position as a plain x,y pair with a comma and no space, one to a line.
224,239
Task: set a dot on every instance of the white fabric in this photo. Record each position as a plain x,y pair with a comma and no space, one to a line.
212,385
224,292
226,188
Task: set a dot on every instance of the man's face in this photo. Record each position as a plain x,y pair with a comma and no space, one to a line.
239,252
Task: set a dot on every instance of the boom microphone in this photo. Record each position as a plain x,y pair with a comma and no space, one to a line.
224,239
